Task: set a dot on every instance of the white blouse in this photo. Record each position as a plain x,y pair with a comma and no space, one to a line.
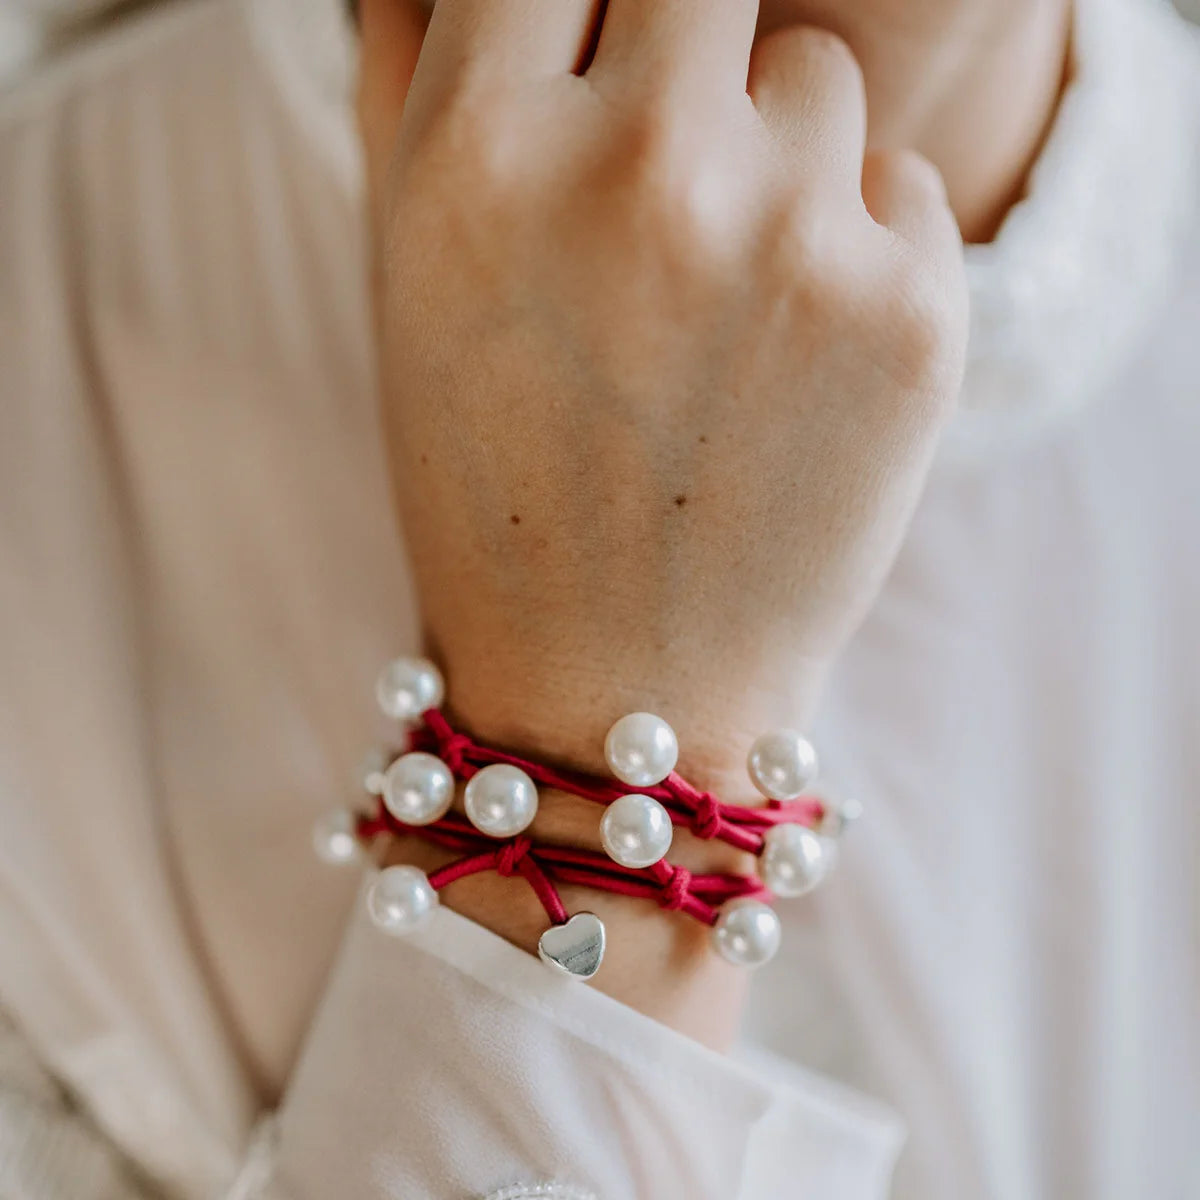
200,576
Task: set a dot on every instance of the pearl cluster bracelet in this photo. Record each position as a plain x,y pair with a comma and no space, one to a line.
792,837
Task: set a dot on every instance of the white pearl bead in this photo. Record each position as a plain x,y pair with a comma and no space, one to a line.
636,830
839,816
333,838
407,687
400,900
782,764
418,789
641,749
795,859
371,770
747,933
501,800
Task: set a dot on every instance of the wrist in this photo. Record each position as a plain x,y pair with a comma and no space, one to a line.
562,715
555,838
654,962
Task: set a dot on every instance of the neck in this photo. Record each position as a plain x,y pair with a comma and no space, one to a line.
971,84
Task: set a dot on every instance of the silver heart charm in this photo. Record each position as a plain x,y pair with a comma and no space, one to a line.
576,948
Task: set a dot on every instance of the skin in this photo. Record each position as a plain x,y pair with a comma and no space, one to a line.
666,342
970,84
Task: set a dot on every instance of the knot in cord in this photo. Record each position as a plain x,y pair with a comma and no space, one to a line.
706,819
677,890
452,751
510,856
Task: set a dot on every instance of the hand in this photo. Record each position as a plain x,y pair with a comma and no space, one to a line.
664,359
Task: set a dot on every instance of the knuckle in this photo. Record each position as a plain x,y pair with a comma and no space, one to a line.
804,239
646,149
471,134
808,245
696,213
925,334
671,191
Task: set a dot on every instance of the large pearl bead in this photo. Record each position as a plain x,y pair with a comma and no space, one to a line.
782,764
636,830
334,839
400,900
641,749
747,932
501,800
795,859
406,687
418,789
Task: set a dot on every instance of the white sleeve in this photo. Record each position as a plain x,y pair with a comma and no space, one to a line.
451,1066
49,1147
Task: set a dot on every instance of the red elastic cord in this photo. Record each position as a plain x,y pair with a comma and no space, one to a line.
542,867
700,812
673,888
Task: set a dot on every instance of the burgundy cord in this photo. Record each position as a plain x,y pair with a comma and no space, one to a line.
543,866
700,812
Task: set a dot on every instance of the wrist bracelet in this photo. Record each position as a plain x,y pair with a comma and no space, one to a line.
792,836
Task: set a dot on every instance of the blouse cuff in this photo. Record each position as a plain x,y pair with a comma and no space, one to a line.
450,1065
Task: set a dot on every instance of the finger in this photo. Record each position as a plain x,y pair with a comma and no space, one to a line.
390,37
693,43
808,89
904,191
513,39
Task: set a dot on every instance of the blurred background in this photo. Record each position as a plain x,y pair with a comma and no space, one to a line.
32,29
